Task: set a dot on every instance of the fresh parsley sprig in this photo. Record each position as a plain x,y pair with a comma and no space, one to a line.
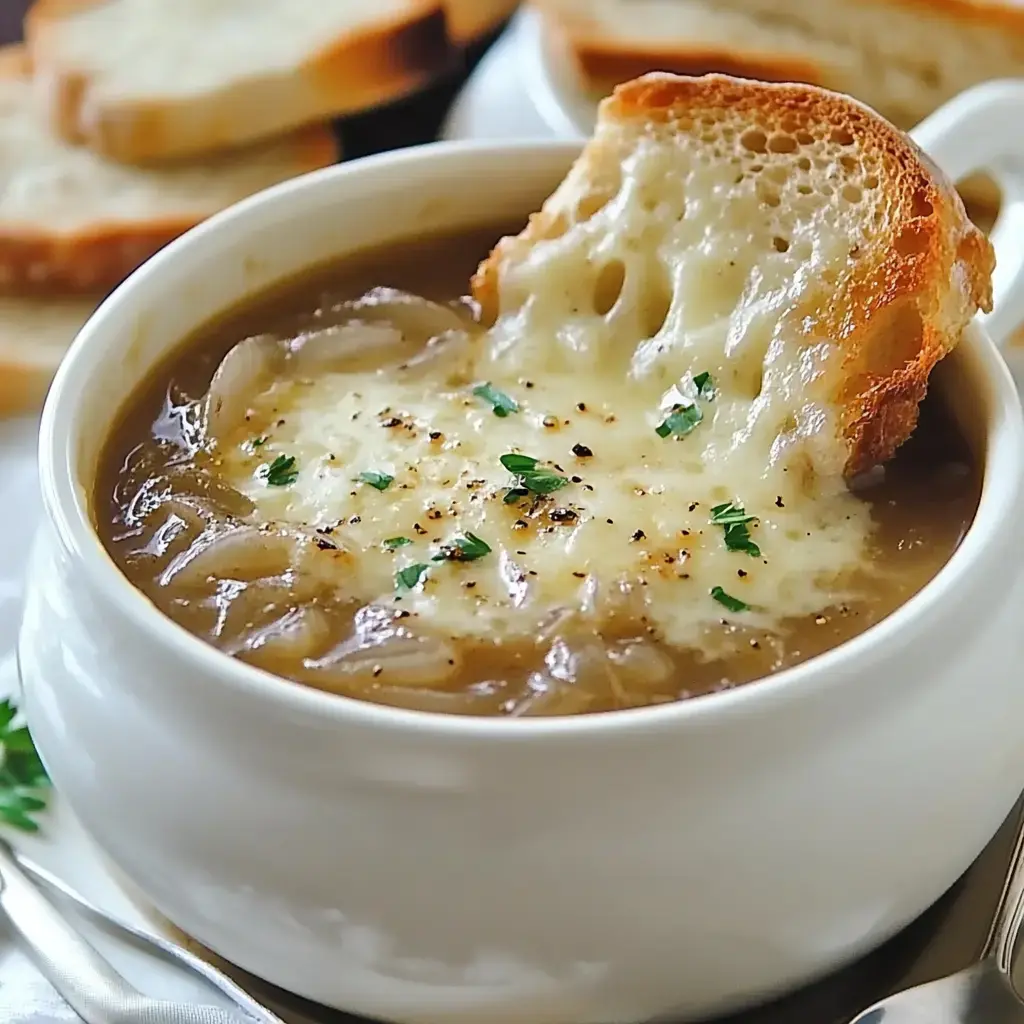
23,779
281,472
734,519
680,420
467,548
500,403
705,385
410,576
683,417
528,478
381,481
734,604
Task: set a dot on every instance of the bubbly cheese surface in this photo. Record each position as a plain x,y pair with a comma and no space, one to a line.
629,537
601,332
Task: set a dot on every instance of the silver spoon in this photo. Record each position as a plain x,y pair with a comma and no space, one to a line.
982,993
85,979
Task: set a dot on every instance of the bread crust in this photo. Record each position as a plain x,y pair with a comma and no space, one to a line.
36,260
378,65
605,62
897,315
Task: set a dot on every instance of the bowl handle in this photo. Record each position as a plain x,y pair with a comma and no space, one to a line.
980,131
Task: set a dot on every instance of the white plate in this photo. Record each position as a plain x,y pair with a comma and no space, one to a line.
511,94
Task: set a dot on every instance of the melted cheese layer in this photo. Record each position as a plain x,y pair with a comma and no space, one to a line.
629,537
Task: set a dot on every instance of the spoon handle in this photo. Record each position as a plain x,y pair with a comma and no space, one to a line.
82,977
1006,924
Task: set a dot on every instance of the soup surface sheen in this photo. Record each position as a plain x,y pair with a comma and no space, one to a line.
373,499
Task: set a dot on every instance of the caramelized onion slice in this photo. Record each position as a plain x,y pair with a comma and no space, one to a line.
417,319
240,553
296,635
641,666
209,489
397,660
243,372
547,696
352,347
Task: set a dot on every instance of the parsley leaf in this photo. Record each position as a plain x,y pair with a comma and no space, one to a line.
528,478
705,385
467,548
737,537
23,779
410,576
734,604
281,472
680,421
500,403
379,480
518,463
258,442
394,543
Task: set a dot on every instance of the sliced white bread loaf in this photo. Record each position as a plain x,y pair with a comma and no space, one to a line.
150,80
71,220
785,239
34,335
905,58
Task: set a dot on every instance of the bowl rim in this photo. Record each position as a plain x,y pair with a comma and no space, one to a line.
65,511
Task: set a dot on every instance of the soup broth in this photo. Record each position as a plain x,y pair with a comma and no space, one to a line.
179,505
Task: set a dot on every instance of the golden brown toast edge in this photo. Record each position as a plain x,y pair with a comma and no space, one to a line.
937,260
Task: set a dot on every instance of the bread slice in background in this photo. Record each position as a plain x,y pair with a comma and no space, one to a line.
145,81
470,20
784,238
71,220
905,58
34,335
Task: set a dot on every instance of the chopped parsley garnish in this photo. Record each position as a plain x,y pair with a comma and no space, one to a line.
682,418
258,442
379,480
734,519
705,385
518,463
394,543
734,604
23,779
281,472
529,479
500,403
680,421
410,576
467,548
514,494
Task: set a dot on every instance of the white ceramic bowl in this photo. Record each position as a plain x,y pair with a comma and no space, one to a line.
679,859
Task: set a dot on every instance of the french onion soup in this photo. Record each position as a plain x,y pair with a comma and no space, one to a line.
651,458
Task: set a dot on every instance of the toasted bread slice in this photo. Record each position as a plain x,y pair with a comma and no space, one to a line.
143,81
784,237
71,220
470,20
34,335
905,58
